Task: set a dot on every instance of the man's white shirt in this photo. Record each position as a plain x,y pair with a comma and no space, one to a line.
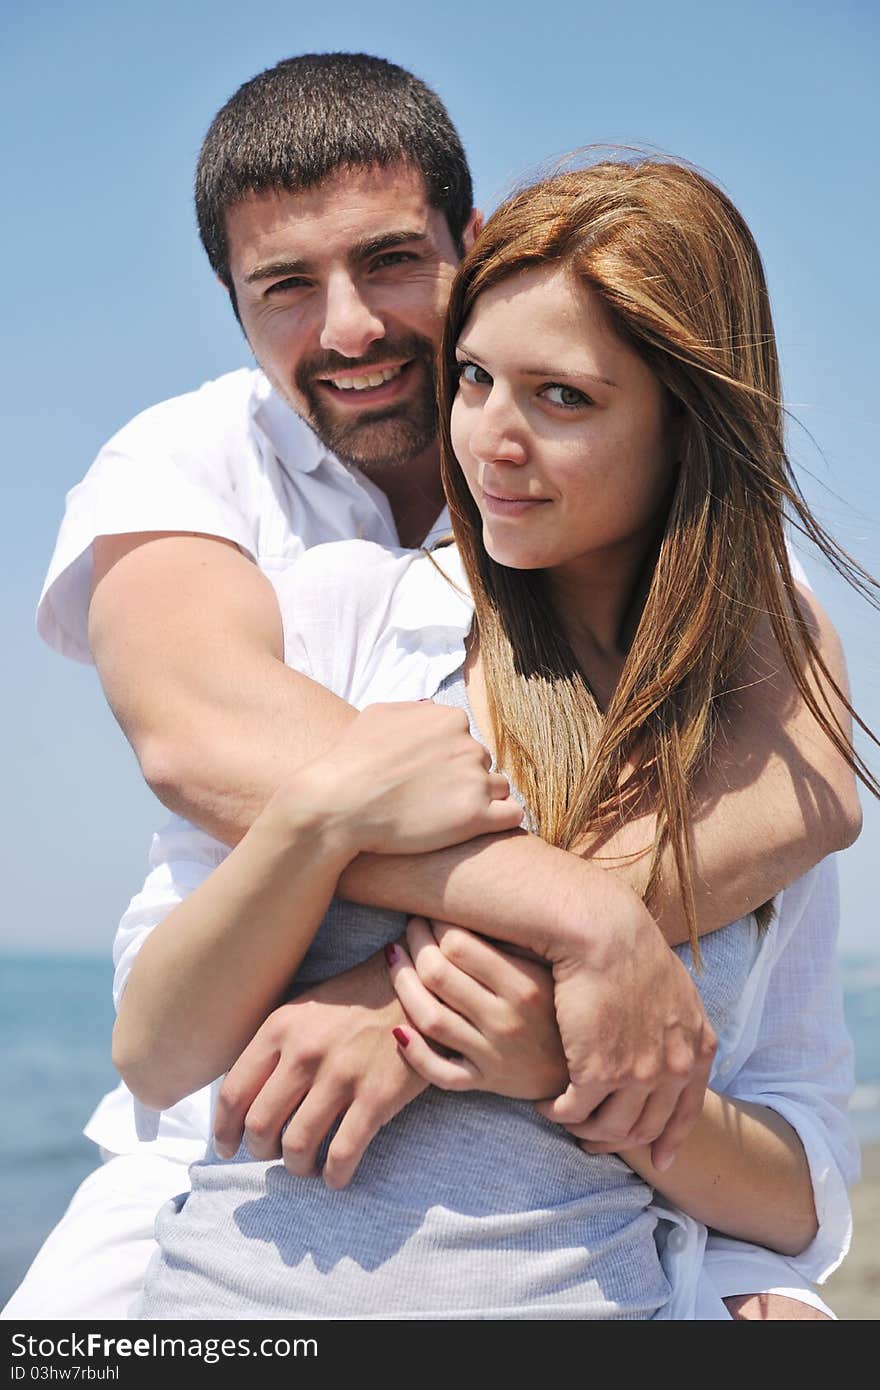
230,460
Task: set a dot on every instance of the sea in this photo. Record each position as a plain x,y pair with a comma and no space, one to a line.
56,1016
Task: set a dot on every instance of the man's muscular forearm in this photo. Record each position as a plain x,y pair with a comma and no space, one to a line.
187,637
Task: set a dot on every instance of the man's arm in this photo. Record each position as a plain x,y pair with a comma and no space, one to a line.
187,638
775,799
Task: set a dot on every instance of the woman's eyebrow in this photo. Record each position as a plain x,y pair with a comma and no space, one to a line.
548,373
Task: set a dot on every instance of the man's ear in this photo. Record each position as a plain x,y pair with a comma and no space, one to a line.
230,290
473,229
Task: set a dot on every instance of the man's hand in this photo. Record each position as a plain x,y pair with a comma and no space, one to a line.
637,1042
316,1060
404,778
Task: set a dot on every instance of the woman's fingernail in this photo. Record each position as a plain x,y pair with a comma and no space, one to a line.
665,1163
400,1036
391,954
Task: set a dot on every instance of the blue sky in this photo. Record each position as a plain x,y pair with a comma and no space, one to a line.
111,305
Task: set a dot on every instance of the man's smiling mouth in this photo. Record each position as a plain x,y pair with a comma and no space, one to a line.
366,380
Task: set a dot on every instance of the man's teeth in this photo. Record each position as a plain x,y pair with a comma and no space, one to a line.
363,383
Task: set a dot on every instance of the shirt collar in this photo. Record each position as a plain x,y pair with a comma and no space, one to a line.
294,442
301,451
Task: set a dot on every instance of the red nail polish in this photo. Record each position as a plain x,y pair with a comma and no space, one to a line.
391,954
400,1036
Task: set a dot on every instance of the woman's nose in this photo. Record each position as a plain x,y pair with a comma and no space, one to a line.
498,434
350,324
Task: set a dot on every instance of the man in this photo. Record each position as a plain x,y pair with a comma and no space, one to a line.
334,201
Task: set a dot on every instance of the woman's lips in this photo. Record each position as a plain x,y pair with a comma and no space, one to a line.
510,506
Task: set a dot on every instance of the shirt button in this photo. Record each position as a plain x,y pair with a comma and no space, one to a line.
677,1240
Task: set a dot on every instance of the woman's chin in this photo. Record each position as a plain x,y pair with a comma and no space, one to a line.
515,557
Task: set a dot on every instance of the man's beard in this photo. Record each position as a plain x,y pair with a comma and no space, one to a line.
386,435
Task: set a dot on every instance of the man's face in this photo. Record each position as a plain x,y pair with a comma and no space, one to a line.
341,290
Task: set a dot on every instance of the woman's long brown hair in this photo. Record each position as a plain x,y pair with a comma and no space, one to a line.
681,280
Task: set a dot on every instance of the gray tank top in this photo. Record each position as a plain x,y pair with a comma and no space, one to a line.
465,1206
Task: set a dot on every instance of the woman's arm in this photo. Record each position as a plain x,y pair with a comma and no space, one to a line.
788,1065
407,778
769,1162
742,1170
185,1015
795,1057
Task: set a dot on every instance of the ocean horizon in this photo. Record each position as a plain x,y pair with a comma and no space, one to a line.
56,1016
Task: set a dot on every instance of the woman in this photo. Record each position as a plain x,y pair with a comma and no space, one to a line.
619,515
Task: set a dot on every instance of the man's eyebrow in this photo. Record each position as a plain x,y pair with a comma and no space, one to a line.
271,270
548,373
362,250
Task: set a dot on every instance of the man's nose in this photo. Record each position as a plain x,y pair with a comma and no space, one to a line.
350,324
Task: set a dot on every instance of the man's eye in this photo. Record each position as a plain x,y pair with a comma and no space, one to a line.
293,282
392,258
564,395
474,375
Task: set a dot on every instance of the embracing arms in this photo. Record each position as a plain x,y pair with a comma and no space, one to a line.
195,676
187,638
772,1152
405,777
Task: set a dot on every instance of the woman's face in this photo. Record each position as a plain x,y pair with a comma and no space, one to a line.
561,430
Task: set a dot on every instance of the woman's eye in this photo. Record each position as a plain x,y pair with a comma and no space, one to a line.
564,395
476,376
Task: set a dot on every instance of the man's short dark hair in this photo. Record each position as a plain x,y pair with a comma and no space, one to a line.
295,124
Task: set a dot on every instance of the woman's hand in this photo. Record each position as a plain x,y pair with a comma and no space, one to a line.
403,778
492,1009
